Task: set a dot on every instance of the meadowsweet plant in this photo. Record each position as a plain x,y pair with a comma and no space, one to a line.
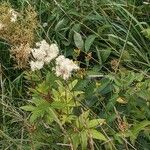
55,101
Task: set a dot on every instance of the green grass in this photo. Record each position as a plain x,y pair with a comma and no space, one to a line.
113,31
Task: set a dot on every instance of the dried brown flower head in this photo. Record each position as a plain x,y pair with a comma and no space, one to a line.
21,55
19,31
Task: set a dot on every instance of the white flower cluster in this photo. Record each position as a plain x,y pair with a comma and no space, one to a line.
36,65
44,53
14,15
64,67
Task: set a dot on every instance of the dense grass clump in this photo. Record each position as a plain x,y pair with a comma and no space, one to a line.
74,74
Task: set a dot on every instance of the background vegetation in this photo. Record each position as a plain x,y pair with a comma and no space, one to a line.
111,41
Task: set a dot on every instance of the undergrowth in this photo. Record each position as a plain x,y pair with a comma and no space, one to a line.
105,104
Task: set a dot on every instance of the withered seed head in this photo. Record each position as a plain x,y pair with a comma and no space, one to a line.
21,55
20,33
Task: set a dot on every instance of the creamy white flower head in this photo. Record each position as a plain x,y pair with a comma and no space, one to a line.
38,54
36,65
42,44
52,53
14,15
54,48
60,59
64,67
44,52
63,72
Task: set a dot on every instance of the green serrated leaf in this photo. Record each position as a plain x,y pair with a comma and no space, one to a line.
58,105
84,139
36,114
105,54
28,108
76,140
139,127
95,122
60,24
89,41
78,40
72,84
97,135
82,119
